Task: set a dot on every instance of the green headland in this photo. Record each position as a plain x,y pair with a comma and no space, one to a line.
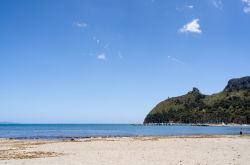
232,105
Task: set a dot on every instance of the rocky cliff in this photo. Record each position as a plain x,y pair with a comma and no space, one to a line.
238,84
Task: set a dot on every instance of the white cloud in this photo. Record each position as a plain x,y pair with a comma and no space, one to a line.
190,6
217,3
175,60
81,24
246,9
101,56
192,26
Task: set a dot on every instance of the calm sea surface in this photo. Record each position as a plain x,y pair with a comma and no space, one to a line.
64,131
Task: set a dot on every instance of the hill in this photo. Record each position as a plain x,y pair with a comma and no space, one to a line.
232,105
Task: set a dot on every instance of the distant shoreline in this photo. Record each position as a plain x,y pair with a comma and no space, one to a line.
137,124
196,124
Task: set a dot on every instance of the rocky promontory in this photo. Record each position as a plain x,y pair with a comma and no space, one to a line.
232,105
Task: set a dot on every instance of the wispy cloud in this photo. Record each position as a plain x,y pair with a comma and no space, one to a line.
102,45
175,60
217,3
246,9
81,24
184,8
96,40
193,27
101,56
119,54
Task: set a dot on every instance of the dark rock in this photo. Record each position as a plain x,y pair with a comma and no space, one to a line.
239,83
195,90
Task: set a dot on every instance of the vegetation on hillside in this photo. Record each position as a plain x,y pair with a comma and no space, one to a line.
228,106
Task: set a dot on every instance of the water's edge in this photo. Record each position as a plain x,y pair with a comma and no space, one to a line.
79,131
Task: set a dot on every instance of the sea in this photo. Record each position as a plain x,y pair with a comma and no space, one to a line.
69,131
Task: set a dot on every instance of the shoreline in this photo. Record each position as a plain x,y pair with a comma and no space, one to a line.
72,139
195,124
75,138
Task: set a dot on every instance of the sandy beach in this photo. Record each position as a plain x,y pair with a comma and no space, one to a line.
188,150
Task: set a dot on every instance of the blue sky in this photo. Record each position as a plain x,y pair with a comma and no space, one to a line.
112,61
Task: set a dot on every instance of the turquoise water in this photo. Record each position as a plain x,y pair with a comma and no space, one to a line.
64,131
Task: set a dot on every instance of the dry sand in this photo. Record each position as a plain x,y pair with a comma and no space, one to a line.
188,150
